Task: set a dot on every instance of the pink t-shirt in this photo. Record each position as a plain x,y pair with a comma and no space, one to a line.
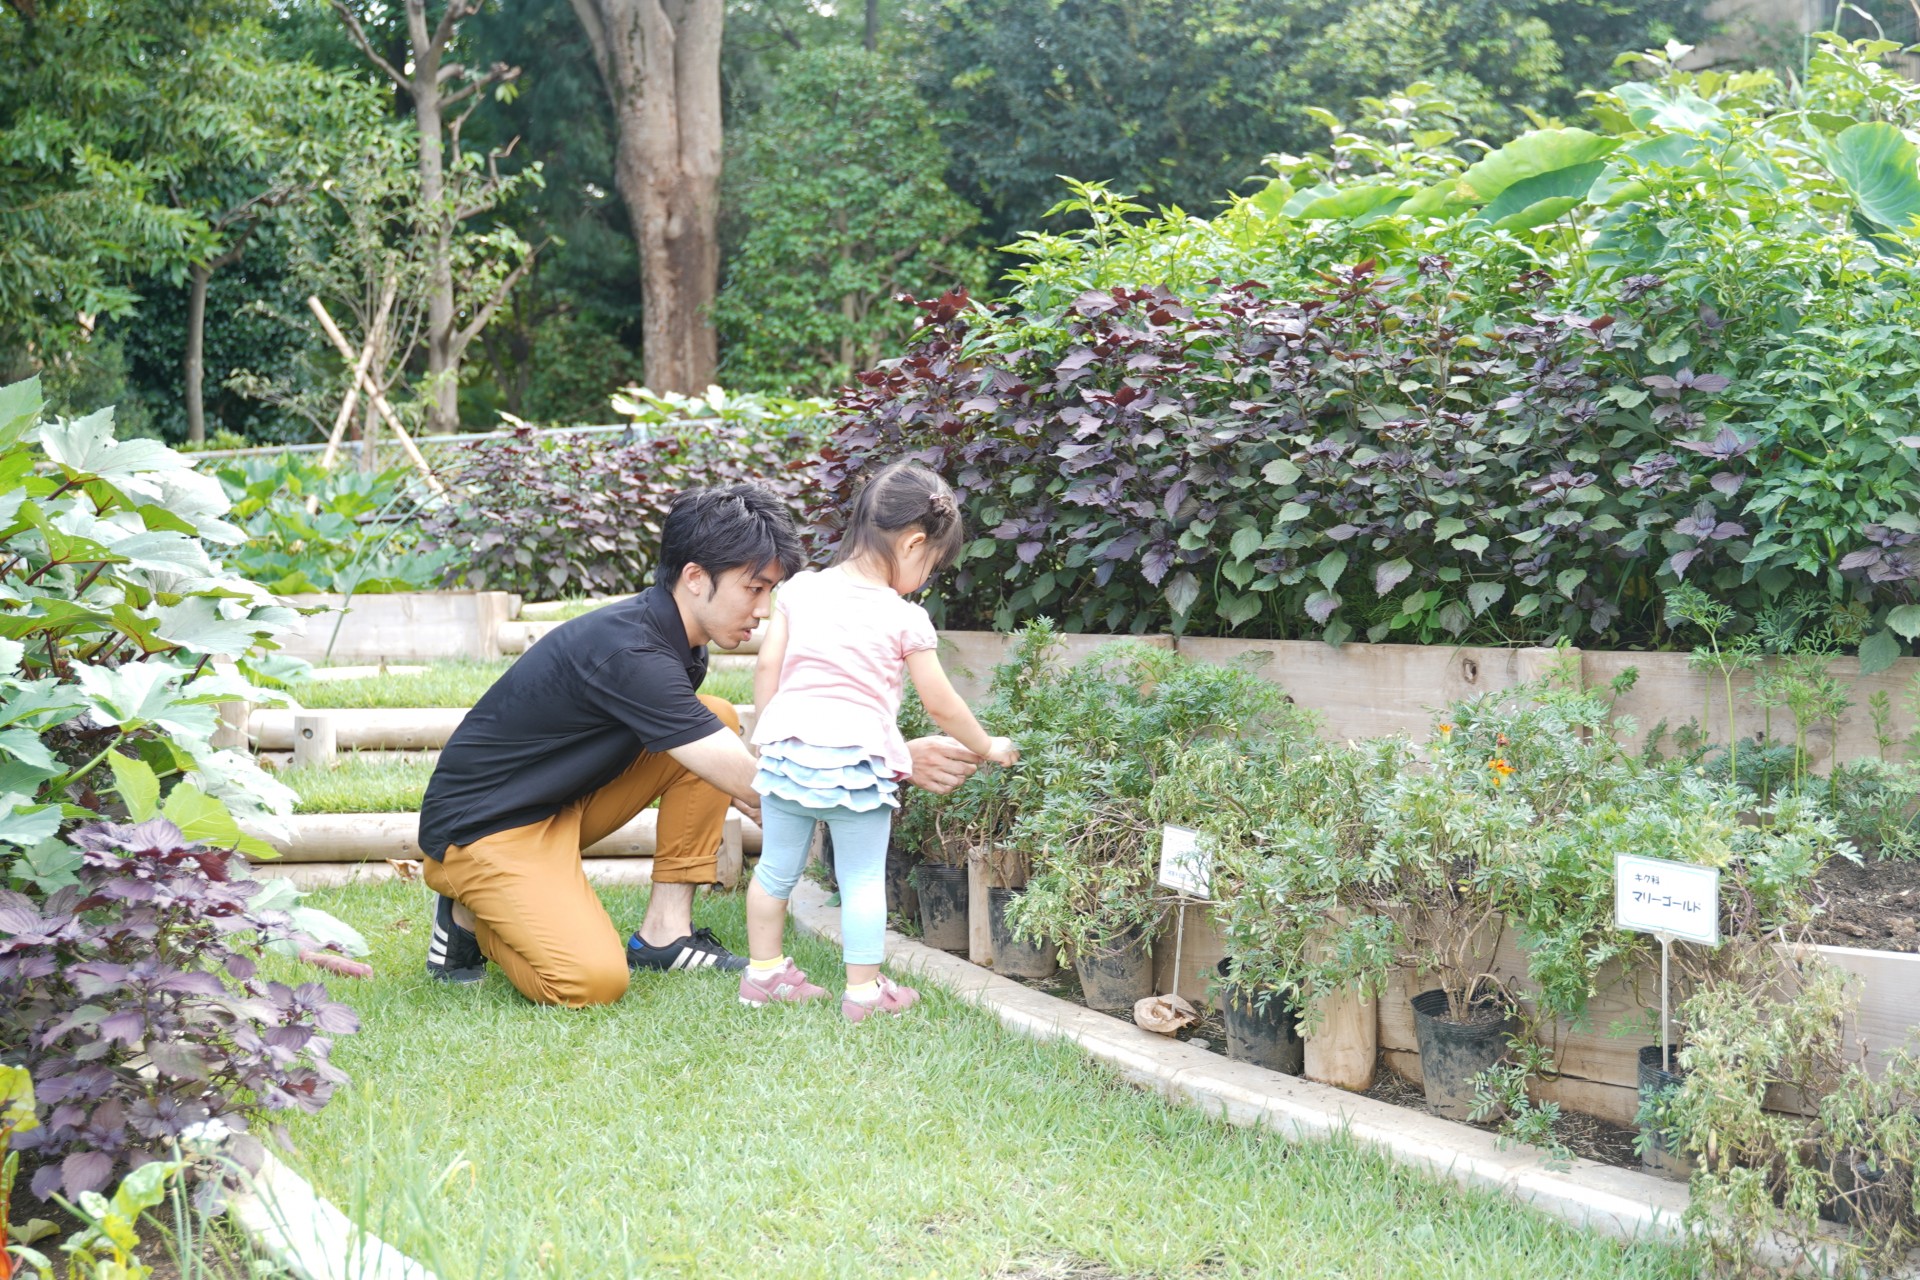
841,677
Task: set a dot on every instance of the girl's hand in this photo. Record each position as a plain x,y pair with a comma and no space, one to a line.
1002,751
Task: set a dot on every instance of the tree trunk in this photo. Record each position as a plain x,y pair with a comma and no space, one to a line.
660,62
443,362
197,276
871,38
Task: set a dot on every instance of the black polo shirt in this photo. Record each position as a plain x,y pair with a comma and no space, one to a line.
568,718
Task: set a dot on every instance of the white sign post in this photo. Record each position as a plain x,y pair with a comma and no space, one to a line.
1672,901
1186,867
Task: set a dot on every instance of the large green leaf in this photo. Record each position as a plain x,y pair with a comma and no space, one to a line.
163,551
1543,198
25,746
49,615
142,693
1353,202
1881,170
20,405
1527,156
138,785
1682,110
86,447
1301,199
25,823
63,546
29,698
195,623
1271,200
204,820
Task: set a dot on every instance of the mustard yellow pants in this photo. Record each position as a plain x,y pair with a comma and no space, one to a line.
534,912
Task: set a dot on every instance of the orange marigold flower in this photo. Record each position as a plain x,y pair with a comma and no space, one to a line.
1500,738
1499,766
1446,728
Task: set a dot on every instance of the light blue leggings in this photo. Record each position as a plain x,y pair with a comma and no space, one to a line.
859,864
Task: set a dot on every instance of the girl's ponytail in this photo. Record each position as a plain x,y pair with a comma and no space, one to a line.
902,496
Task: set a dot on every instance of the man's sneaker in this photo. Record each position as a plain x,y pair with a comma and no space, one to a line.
698,950
785,985
894,999
453,953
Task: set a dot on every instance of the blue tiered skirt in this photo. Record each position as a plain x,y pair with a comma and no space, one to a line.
825,777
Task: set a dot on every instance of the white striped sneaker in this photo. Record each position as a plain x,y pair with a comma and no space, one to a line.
453,953
698,950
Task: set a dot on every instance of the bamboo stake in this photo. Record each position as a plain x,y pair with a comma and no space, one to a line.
379,401
360,368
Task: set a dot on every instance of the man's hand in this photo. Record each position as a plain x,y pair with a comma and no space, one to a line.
751,812
940,764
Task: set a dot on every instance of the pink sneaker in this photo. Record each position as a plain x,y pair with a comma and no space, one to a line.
894,999
787,985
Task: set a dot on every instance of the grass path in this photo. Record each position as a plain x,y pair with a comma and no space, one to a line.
457,684
677,1134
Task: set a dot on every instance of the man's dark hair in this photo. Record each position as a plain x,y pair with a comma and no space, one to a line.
722,529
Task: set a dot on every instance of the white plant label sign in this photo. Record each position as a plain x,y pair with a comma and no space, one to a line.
1679,899
1186,863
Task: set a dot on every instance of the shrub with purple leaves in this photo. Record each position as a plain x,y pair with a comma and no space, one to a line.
1352,461
580,515
134,998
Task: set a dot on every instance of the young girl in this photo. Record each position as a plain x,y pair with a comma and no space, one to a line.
828,689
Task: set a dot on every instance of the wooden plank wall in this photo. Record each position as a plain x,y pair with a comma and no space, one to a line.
1367,690
1667,688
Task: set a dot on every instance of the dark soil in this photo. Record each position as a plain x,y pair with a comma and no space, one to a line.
1586,1136
1875,905
221,1253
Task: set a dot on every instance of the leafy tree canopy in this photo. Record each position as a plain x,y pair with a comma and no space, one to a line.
1179,99
836,184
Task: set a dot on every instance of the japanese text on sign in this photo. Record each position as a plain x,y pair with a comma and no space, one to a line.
1186,864
1652,895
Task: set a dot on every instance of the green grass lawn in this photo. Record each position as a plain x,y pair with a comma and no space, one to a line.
362,782
443,684
456,684
677,1134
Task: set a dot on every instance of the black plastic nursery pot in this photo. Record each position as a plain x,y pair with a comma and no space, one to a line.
1013,958
1453,1053
1266,1037
943,906
1866,1193
1655,1080
1117,972
902,898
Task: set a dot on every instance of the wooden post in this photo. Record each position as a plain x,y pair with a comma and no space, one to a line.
314,739
1344,1048
232,732
733,856
379,401
979,927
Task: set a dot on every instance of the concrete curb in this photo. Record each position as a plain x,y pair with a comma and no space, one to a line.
1615,1202
291,1224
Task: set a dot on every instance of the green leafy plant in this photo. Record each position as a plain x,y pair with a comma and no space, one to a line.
1080,800
1284,820
361,534
124,906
